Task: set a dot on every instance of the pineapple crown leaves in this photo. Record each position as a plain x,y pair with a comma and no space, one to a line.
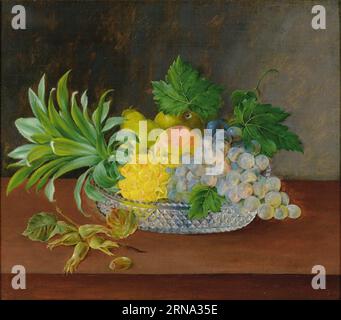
184,89
64,139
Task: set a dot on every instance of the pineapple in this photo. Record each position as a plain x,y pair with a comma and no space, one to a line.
64,140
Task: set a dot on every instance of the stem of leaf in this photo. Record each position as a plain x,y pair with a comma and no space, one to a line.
264,74
60,212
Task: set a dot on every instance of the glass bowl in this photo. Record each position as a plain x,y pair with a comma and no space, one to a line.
172,217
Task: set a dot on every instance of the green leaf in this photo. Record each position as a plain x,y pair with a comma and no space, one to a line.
49,190
105,111
263,123
63,127
41,90
98,113
18,164
40,226
44,179
92,192
81,162
78,189
102,177
62,228
39,152
63,101
204,199
28,127
42,170
18,178
83,125
40,112
239,96
63,93
68,147
21,152
184,89
111,123
84,103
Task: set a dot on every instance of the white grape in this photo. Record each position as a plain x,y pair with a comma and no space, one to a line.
273,198
233,177
262,162
265,211
198,170
285,198
259,189
256,171
190,176
245,190
181,171
246,160
234,152
232,194
248,176
251,203
281,212
222,186
209,180
181,186
273,184
294,211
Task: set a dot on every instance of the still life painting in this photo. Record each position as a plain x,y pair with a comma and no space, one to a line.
178,141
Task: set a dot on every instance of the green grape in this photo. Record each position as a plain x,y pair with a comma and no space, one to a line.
273,184
281,212
294,211
209,180
285,198
265,211
190,176
233,178
262,162
246,160
259,189
248,176
232,194
245,190
234,152
251,203
273,198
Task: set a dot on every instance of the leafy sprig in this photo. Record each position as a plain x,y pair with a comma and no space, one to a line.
64,139
184,89
45,227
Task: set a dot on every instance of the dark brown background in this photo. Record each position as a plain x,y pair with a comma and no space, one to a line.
126,44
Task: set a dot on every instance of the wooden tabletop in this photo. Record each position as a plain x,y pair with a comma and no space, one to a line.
265,260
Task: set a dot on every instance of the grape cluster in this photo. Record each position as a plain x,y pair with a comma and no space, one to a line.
243,181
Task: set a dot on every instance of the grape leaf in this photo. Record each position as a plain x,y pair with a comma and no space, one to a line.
185,89
204,199
40,226
43,226
263,123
